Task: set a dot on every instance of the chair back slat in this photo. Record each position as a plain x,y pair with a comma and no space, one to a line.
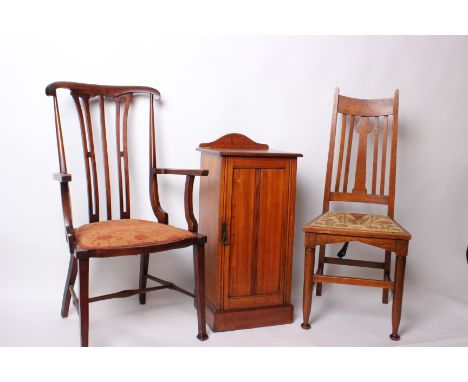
348,153
375,155
105,156
123,96
88,154
384,156
362,118
122,154
340,158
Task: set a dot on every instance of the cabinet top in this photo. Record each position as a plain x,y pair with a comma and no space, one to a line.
239,145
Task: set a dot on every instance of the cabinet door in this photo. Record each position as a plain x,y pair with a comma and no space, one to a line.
256,217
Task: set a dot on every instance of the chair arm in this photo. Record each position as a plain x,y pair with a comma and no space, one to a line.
188,194
172,171
64,178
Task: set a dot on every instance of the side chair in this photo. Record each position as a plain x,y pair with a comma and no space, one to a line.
369,122
105,236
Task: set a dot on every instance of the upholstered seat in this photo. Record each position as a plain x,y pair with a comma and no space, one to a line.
355,223
127,233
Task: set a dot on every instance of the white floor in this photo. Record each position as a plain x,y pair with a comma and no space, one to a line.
343,316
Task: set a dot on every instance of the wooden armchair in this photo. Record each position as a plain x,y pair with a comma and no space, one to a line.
363,117
123,236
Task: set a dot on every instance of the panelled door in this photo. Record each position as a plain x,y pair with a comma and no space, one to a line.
255,231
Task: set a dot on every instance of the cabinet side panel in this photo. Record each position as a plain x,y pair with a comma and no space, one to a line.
241,232
272,231
209,225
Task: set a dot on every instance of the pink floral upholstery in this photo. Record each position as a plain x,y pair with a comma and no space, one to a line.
127,233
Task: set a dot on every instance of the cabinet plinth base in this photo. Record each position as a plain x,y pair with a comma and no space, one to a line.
220,321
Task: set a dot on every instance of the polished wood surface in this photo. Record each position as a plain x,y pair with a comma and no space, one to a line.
247,210
89,97
367,124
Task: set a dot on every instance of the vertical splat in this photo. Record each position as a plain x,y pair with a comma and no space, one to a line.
363,129
384,156
122,155
105,156
340,160
89,156
348,153
375,155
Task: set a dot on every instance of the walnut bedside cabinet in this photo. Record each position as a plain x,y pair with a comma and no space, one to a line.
247,211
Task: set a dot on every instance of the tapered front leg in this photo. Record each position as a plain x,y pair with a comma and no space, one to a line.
398,295
388,258
320,269
70,281
199,269
144,262
84,305
308,285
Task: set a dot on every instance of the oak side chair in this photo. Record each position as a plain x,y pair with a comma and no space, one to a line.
103,238
372,121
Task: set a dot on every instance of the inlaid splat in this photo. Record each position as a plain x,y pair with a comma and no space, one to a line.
363,129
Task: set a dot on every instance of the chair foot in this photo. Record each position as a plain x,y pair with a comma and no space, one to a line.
305,326
202,337
395,337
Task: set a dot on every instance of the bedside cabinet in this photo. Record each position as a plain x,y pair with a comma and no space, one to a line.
247,211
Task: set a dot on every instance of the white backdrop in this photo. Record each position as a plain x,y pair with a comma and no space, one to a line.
276,90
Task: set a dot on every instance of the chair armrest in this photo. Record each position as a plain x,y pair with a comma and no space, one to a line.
188,194
173,171
62,177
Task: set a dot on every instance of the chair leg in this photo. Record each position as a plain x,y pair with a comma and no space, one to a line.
144,262
84,305
388,258
70,281
320,269
199,270
308,285
398,295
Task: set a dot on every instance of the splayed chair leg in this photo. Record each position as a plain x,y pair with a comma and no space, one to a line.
199,269
144,262
70,281
84,304
398,292
308,285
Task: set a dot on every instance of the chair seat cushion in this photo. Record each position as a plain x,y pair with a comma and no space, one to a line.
357,224
127,233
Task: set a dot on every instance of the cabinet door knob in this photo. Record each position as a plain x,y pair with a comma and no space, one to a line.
224,234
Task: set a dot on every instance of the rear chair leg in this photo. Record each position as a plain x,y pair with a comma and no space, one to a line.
84,304
320,269
308,285
144,262
199,270
70,281
388,257
398,290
